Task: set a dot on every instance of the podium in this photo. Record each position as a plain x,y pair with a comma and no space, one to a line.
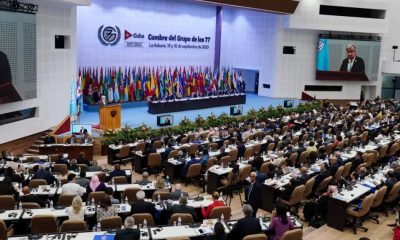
110,116
341,76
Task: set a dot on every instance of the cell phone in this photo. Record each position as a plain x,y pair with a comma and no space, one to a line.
201,231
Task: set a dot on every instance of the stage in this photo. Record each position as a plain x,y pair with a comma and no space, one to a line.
136,114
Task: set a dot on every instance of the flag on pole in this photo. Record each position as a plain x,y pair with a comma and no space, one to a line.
73,108
323,55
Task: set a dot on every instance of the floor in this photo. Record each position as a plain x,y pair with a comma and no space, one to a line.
136,116
376,231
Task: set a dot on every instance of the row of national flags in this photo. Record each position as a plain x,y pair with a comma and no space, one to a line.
138,83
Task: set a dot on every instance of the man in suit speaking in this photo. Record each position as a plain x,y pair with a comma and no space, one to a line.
352,63
5,69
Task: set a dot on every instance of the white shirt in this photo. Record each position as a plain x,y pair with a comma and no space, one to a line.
72,188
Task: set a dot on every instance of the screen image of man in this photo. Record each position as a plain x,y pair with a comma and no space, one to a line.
167,121
352,63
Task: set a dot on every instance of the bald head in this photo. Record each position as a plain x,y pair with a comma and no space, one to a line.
253,176
178,187
25,190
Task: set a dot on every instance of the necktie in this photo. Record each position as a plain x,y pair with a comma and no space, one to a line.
349,66
251,188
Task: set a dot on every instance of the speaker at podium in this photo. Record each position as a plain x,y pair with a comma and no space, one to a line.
110,116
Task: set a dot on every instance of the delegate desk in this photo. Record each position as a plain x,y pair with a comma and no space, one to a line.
73,150
179,105
144,235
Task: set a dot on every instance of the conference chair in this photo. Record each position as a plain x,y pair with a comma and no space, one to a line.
65,200
140,146
140,217
191,137
377,203
295,140
244,172
217,212
224,160
186,218
308,188
97,196
270,146
293,157
364,137
361,165
184,140
123,155
233,155
164,194
295,198
194,172
193,148
111,223
295,234
360,213
73,226
83,167
256,149
265,167
154,162
211,162
383,152
4,231
338,174
35,183
130,193
158,144
393,149
248,153
61,168
258,236
30,205
226,143
120,180
102,176
304,157
203,136
173,154
279,145
346,170
367,157
323,185
304,138
7,202
213,146
393,195
374,156
353,140
329,148
43,223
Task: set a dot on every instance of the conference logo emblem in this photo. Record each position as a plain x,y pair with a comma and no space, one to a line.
113,113
109,36
321,45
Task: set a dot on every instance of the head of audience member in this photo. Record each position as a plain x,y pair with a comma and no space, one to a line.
145,175
129,222
354,176
73,137
71,177
247,210
105,202
35,168
253,176
94,182
183,200
77,204
311,144
333,160
178,187
82,174
117,167
390,174
109,191
280,212
140,195
74,162
219,231
280,154
26,190
215,196
303,170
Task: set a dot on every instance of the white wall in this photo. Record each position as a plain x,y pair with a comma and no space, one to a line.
55,70
154,17
248,42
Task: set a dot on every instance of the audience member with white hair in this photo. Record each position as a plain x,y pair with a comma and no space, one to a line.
129,232
141,206
175,195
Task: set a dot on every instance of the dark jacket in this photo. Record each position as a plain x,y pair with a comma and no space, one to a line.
32,198
127,234
358,65
245,226
41,174
175,195
49,140
5,69
254,196
183,209
6,188
116,173
141,206
257,162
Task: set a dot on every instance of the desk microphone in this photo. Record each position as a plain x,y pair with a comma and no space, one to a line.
198,198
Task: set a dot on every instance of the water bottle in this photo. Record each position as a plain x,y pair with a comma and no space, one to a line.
20,205
221,197
222,218
145,223
126,200
51,204
79,169
167,179
98,227
92,202
159,198
179,221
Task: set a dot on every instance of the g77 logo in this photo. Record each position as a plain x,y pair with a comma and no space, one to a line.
109,35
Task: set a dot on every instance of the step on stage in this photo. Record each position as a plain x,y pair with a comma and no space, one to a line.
178,105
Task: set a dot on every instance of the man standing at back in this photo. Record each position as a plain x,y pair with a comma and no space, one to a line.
253,193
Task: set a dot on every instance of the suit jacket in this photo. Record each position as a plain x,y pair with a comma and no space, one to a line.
175,195
141,206
5,69
245,226
127,234
253,197
88,140
69,141
8,189
358,65
257,162
32,198
45,175
116,173
183,209
320,177
102,104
